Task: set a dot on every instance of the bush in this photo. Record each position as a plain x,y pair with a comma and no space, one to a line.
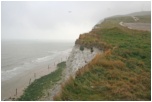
81,48
91,49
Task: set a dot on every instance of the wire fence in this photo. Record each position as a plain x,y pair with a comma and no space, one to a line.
25,80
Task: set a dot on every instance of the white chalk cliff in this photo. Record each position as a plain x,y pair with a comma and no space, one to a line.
78,59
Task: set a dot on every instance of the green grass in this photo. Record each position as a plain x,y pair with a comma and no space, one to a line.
145,19
122,72
130,43
37,89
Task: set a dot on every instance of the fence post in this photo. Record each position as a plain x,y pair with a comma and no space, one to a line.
35,75
30,81
16,91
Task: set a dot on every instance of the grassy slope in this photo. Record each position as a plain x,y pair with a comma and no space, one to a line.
37,89
123,72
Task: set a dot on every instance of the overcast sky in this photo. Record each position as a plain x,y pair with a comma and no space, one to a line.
59,20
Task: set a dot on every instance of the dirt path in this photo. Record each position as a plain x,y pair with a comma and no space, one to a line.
137,26
135,18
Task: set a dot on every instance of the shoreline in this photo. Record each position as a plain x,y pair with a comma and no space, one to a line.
15,88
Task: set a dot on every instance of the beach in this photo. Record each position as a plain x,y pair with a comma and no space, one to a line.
14,88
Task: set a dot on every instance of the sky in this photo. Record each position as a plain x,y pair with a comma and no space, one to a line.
59,20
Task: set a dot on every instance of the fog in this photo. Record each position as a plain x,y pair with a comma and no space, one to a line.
59,20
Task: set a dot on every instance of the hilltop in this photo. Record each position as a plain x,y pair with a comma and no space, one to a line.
142,13
123,70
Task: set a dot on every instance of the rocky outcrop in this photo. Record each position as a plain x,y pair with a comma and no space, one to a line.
77,59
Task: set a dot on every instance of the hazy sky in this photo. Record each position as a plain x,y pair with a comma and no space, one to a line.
59,20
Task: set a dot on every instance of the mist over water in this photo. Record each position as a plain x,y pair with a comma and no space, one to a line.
18,56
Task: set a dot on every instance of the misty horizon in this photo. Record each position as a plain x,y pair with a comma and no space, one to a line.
59,21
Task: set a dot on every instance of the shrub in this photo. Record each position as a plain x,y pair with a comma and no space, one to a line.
91,49
81,48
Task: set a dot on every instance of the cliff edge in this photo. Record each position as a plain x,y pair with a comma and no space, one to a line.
122,71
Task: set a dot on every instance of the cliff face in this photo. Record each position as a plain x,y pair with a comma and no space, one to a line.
123,63
78,59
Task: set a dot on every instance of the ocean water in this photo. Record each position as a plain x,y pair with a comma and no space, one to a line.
18,56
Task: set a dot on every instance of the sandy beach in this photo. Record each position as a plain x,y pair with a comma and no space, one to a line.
14,88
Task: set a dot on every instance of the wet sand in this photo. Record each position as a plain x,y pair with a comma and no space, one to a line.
14,88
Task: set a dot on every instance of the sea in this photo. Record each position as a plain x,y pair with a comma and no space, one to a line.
18,57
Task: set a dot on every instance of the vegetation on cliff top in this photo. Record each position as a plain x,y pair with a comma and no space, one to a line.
122,72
